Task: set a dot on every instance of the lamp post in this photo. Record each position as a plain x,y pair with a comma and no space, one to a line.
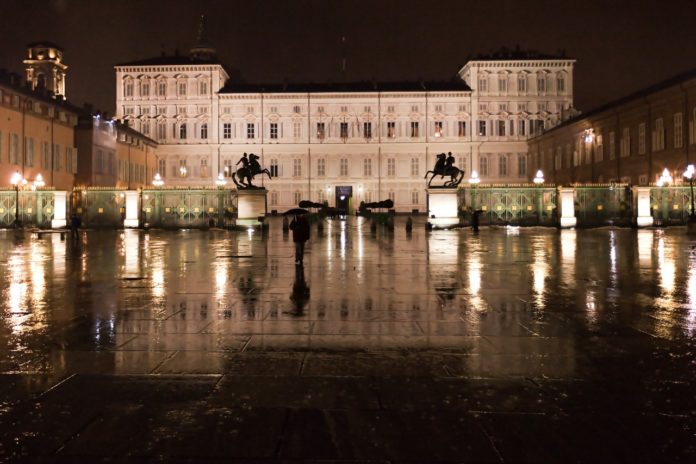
157,180
221,181
663,181
539,181
689,174
15,181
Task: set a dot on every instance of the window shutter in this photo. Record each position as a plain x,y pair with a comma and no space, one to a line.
74,160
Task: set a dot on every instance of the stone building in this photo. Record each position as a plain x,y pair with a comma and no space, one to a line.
113,154
630,140
343,143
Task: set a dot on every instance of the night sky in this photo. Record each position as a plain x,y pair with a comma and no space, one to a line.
620,46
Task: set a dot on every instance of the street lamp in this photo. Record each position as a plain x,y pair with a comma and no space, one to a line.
473,180
38,182
157,180
15,181
221,181
182,171
665,179
689,174
539,180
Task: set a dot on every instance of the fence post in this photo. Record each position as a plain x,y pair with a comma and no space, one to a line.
60,201
132,205
567,195
643,217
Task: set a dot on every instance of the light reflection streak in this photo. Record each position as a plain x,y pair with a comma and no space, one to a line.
540,271
645,243
568,246
613,277
131,251
666,265
691,293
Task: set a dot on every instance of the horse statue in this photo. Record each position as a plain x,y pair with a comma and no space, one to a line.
444,166
250,168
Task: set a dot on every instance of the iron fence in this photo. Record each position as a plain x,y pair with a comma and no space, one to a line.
523,205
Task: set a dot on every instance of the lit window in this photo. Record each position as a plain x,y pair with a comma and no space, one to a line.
438,129
367,130
414,129
344,130
321,131
391,129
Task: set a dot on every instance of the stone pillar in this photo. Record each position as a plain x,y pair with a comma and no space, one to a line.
251,207
566,196
132,206
60,204
443,207
643,216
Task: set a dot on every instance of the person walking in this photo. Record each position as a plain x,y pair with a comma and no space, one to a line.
74,227
300,235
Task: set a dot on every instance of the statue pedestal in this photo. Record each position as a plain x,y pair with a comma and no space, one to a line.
251,205
443,206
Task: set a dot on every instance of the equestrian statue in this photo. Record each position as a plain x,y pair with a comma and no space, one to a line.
444,166
250,168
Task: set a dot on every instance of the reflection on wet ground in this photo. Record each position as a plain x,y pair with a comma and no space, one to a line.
532,345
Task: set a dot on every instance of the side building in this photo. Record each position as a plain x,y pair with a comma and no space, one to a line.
112,154
630,140
37,135
343,143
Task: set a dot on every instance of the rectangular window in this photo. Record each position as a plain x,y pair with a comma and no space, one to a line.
274,168
483,166
522,166
344,167
162,88
297,129
391,167
560,84
227,130
251,131
29,158
344,130
437,129
145,90
146,128
658,139
203,88
414,129
321,131
391,129
297,168
502,166
367,167
296,109
501,128
612,145
558,160
414,197
541,84
274,130
461,128
599,151
162,167
502,84
390,109
14,149
522,84
625,143
204,168
414,167
482,128
522,126
321,167
204,131
678,130
45,154
641,138
183,170
367,130
483,85
161,131
182,89
182,131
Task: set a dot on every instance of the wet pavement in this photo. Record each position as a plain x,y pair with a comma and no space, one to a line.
513,345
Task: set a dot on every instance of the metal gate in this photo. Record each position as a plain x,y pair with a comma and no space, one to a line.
670,205
603,205
36,208
522,205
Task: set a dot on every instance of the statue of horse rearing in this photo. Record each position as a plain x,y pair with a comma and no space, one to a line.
248,174
441,169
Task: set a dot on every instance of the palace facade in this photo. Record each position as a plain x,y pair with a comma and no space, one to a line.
343,143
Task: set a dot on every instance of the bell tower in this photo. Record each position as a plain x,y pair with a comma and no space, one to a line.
45,68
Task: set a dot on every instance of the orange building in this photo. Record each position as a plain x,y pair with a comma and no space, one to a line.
37,133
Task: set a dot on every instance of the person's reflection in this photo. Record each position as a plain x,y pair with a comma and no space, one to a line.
300,292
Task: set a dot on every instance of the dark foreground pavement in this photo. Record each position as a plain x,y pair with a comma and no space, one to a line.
522,347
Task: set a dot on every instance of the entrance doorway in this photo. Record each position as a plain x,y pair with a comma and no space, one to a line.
344,199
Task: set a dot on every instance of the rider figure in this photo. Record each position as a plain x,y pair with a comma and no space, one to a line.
450,161
244,160
440,164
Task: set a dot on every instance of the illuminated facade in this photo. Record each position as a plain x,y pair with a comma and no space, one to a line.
631,140
37,134
343,143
